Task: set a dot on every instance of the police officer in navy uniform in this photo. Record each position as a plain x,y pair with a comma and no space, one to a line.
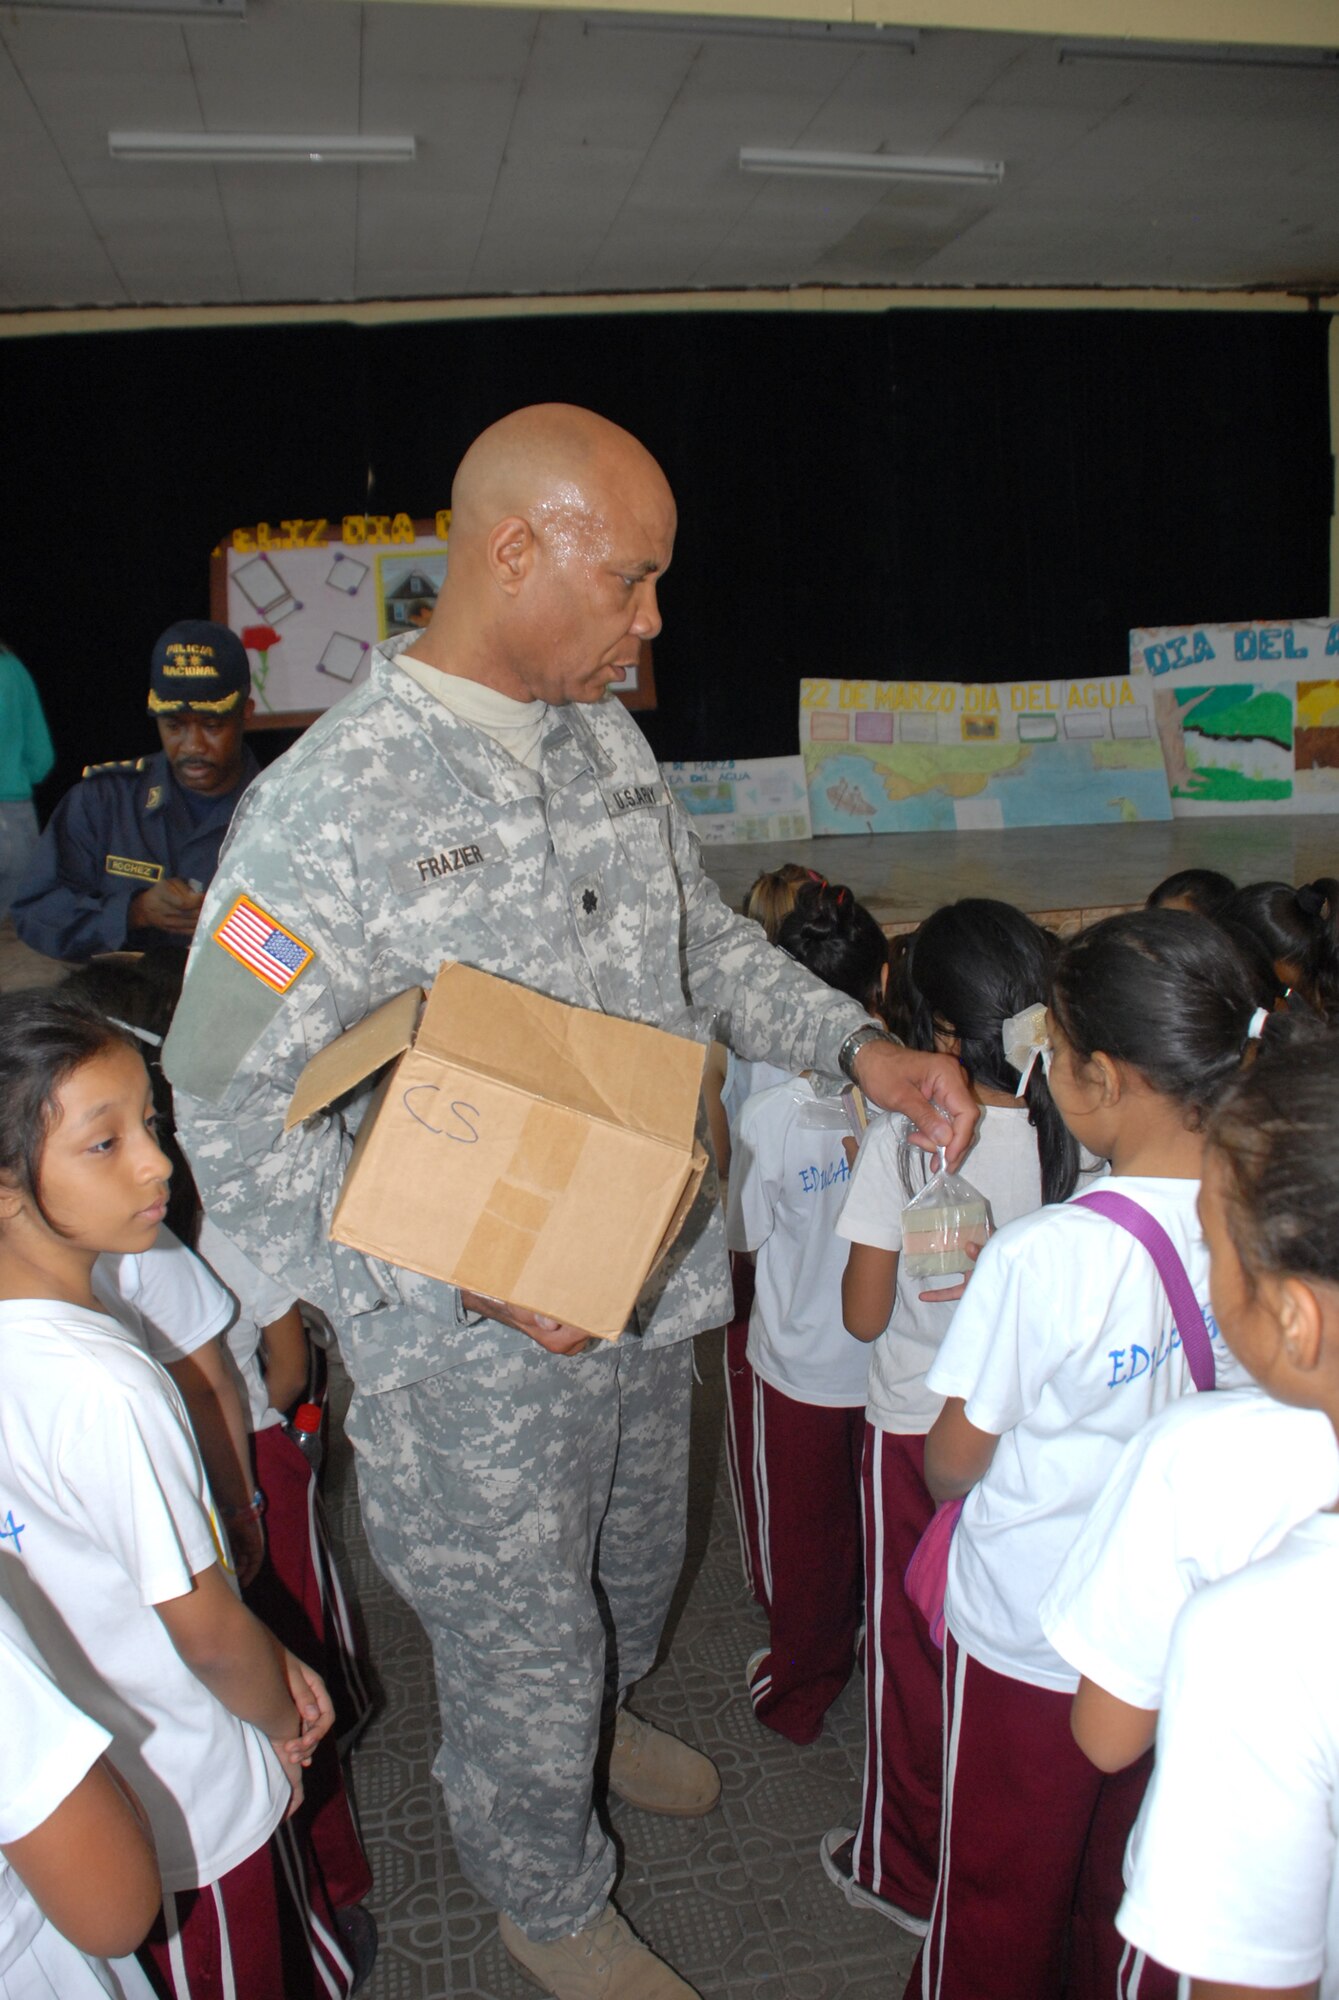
127,855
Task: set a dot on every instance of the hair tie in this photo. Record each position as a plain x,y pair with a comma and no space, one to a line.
140,1034
1025,1038
1256,1025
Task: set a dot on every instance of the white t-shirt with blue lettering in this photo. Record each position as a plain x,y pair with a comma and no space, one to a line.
1063,1347
47,1748
1002,1165
1236,1878
743,1080
1211,1484
105,1512
788,1180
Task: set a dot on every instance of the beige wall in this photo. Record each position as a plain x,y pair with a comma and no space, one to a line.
1276,23
796,299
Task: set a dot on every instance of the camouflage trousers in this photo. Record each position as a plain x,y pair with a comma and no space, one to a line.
490,1495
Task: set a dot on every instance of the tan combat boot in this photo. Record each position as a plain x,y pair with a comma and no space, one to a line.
606,1961
654,1771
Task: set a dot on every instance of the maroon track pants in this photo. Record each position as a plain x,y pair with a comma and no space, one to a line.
1031,1844
806,1479
897,1848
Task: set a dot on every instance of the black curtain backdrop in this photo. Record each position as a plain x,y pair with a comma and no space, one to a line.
963,494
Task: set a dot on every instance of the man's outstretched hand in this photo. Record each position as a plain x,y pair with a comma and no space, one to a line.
929,1089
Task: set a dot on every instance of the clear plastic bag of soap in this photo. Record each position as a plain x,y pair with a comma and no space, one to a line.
943,1227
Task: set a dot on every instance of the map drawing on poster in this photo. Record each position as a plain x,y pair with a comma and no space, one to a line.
932,756
737,799
1248,714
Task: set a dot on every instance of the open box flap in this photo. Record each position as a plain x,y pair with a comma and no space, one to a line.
620,1072
355,1055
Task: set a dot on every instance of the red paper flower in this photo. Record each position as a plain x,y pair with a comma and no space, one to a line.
259,638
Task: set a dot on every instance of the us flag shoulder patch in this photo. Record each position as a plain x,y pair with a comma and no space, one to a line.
264,947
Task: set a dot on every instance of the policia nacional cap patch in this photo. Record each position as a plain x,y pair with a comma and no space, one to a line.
250,962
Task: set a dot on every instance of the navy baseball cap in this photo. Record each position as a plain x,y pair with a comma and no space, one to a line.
198,665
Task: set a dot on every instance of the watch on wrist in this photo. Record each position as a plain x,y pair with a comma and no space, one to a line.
857,1040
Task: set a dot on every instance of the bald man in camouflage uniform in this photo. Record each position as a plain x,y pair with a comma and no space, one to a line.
479,799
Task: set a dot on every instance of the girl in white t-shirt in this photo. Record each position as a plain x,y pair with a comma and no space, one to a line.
788,1176
1235,1877
966,971
113,1556
1211,1485
78,1880
770,900
210,1341
297,1593
1064,1346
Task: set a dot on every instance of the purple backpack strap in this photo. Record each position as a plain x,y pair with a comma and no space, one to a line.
1186,1310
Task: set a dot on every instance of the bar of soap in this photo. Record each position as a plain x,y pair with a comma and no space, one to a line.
938,1241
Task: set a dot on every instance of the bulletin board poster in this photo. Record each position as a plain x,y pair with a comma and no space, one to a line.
963,756
737,800
1248,714
310,599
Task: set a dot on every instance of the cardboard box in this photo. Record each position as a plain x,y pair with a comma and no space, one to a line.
538,1153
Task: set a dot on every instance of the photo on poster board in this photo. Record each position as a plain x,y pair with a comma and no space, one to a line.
262,587
346,574
939,756
407,589
1248,714
736,799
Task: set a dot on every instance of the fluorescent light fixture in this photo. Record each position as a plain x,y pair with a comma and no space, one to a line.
697,28
1195,55
162,10
869,166
222,149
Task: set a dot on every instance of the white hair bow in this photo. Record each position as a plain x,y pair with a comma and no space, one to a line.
1025,1038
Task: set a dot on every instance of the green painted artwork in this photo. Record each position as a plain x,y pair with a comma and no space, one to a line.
1237,744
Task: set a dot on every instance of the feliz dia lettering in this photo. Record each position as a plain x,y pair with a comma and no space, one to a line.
354,531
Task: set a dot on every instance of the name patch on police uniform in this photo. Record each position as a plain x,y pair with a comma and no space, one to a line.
441,864
633,798
251,936
139,871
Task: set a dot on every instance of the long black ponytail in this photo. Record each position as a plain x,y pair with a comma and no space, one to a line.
1164,991
966,970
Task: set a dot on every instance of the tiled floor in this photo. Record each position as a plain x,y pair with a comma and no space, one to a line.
737,1901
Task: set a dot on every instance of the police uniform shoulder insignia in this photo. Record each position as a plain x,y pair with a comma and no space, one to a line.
131,764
